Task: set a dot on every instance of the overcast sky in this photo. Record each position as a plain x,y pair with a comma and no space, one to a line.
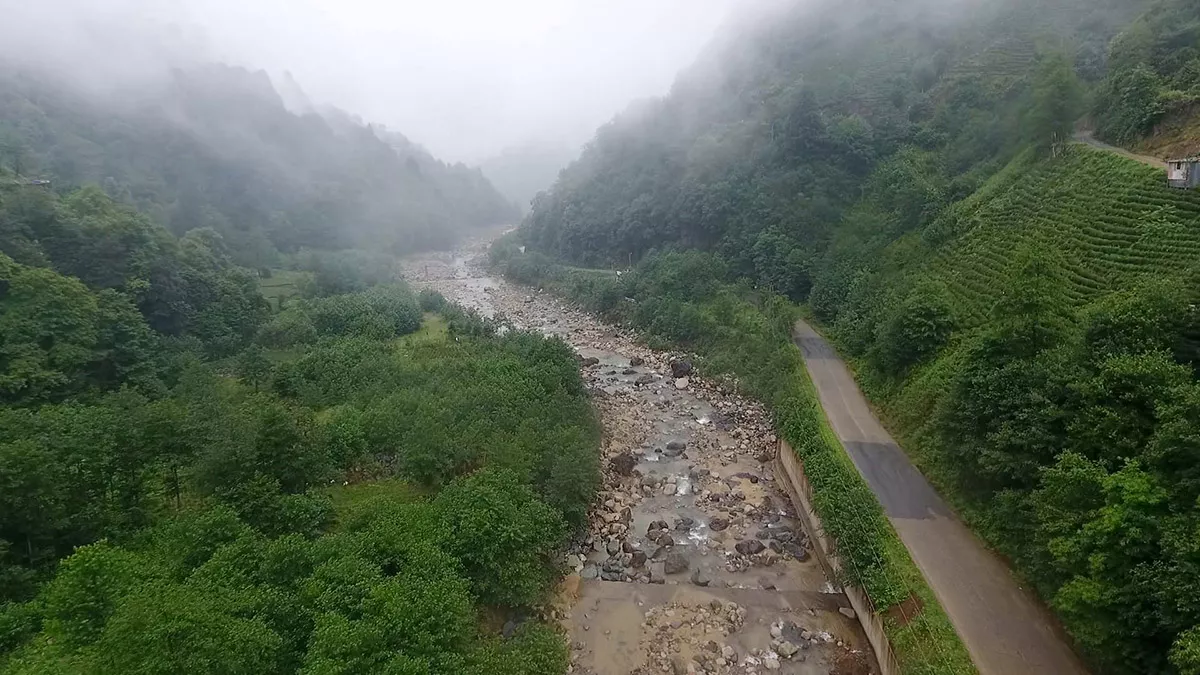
463,77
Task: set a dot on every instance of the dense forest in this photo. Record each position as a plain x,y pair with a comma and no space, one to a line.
214,146
1021,308
232,443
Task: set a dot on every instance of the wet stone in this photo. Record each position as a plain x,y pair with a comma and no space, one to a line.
749,547
675,563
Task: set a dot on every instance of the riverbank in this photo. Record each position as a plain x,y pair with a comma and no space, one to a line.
693,560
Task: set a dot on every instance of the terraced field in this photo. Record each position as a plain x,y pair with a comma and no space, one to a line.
1110,220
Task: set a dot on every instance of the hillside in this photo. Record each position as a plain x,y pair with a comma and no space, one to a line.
521,172
1020,308
1110,223
215,146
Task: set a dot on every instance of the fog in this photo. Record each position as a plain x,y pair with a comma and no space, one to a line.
466,78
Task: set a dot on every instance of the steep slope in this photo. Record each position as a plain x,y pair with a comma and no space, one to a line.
216,146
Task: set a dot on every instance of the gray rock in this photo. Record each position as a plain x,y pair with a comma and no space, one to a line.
590,361
614,547
786,649
749,547
636,361
848,612
681,368
700,578
766,583
644,379
675,563
672,452
658,573
638,559
683,524
682,383
589,572
676,444
629,371
718,524
623,464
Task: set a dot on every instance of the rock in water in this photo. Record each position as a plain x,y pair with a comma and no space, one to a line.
675,563
700,578
718,524
590,361
681,368
644,379
636,361
681,383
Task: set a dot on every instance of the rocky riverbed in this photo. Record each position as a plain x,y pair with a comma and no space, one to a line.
694,561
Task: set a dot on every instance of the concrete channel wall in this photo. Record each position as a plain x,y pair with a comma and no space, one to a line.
790,471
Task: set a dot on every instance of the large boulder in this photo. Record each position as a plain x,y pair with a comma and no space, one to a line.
681,368
675,563
749,547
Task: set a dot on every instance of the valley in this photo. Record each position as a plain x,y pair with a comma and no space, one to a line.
693,560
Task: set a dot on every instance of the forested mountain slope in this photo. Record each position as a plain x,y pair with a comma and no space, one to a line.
1021,308
215,146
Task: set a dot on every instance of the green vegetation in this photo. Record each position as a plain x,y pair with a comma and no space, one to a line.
1022,310
684,300
1153,73
349,479
194,530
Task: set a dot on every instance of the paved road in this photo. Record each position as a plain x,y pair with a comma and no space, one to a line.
1005,628
1087,138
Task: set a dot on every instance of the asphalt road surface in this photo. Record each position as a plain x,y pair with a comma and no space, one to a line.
1005,628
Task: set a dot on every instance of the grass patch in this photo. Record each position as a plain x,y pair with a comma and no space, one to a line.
434,330
349,499
282,285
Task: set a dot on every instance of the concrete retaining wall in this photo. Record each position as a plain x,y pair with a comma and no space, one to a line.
790,472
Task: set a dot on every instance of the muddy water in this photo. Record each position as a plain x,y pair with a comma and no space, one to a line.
694,561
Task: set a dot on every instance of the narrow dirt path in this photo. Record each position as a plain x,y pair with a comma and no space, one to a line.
694,561
1087,138
1004,627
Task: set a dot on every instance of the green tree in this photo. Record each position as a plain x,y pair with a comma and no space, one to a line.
503,534
1185,653
169,628
1057,102
253,366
